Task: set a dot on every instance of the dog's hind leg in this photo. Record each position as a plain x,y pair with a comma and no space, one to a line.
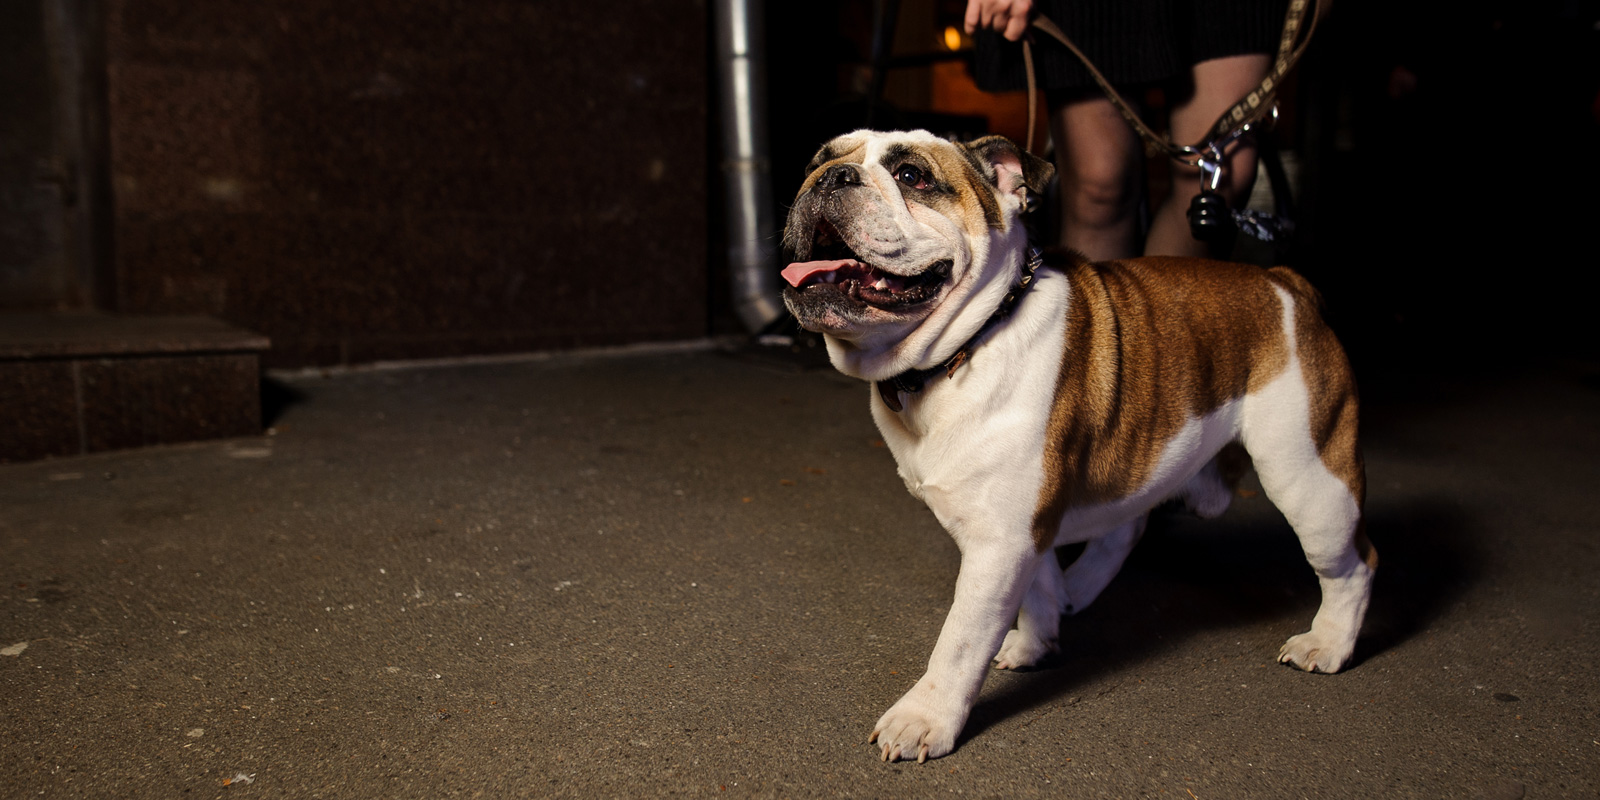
1311,470
1054,592
1038,622
1101,560
1210,491
1328,520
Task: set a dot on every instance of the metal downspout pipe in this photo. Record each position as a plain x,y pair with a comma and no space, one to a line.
746,165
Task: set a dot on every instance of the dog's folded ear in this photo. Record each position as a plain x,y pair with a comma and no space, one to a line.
1016,171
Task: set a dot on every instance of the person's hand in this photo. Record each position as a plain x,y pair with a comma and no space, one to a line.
1010,17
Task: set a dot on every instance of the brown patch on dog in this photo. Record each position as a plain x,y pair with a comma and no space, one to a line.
976,207
1330,385
1364,546
1334,401
1033,173
1151,343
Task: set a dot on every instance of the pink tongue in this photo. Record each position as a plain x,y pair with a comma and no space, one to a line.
797,272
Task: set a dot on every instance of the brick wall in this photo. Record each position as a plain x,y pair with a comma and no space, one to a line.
412,178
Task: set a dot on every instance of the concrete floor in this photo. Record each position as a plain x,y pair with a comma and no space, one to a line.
696,573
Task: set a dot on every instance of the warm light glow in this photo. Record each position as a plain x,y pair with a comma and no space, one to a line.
952,38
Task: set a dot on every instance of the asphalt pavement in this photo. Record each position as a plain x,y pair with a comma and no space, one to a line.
693,571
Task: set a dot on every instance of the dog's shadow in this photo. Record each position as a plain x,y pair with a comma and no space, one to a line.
1246,568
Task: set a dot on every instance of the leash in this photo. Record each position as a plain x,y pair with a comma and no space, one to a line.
1210,220
1236,121
914,380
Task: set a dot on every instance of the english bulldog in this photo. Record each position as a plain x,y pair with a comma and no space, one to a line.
1037,406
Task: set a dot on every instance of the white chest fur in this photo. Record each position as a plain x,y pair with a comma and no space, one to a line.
972,444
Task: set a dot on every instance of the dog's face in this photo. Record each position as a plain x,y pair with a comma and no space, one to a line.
894,235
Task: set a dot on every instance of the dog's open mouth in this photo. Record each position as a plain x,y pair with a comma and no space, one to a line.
836,266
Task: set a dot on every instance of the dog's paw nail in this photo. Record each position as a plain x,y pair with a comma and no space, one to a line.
1313,654
922,754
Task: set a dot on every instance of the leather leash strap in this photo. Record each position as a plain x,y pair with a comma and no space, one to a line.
1250,109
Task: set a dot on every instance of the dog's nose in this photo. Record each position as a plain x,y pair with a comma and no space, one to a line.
839,175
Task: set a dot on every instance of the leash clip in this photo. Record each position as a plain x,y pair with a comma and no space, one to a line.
1209,217
1210,166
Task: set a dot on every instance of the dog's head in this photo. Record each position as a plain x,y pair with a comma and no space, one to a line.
902,244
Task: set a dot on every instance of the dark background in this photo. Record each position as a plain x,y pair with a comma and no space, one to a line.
425,178
1449,190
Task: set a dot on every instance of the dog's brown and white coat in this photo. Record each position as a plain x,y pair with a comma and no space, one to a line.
1110,388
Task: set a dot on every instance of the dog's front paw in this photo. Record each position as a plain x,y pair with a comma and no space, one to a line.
1022,650
1314,653
916,727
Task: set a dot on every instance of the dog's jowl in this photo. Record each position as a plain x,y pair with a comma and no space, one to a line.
1036,406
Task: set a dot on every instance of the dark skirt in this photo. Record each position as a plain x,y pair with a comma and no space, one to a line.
1131,41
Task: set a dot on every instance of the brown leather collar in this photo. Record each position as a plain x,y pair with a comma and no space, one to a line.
913,380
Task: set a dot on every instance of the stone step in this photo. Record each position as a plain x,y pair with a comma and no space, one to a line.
74,382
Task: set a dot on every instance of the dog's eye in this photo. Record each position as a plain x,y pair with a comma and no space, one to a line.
911,176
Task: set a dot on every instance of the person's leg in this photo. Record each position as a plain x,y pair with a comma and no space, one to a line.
1218,84
1098,163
